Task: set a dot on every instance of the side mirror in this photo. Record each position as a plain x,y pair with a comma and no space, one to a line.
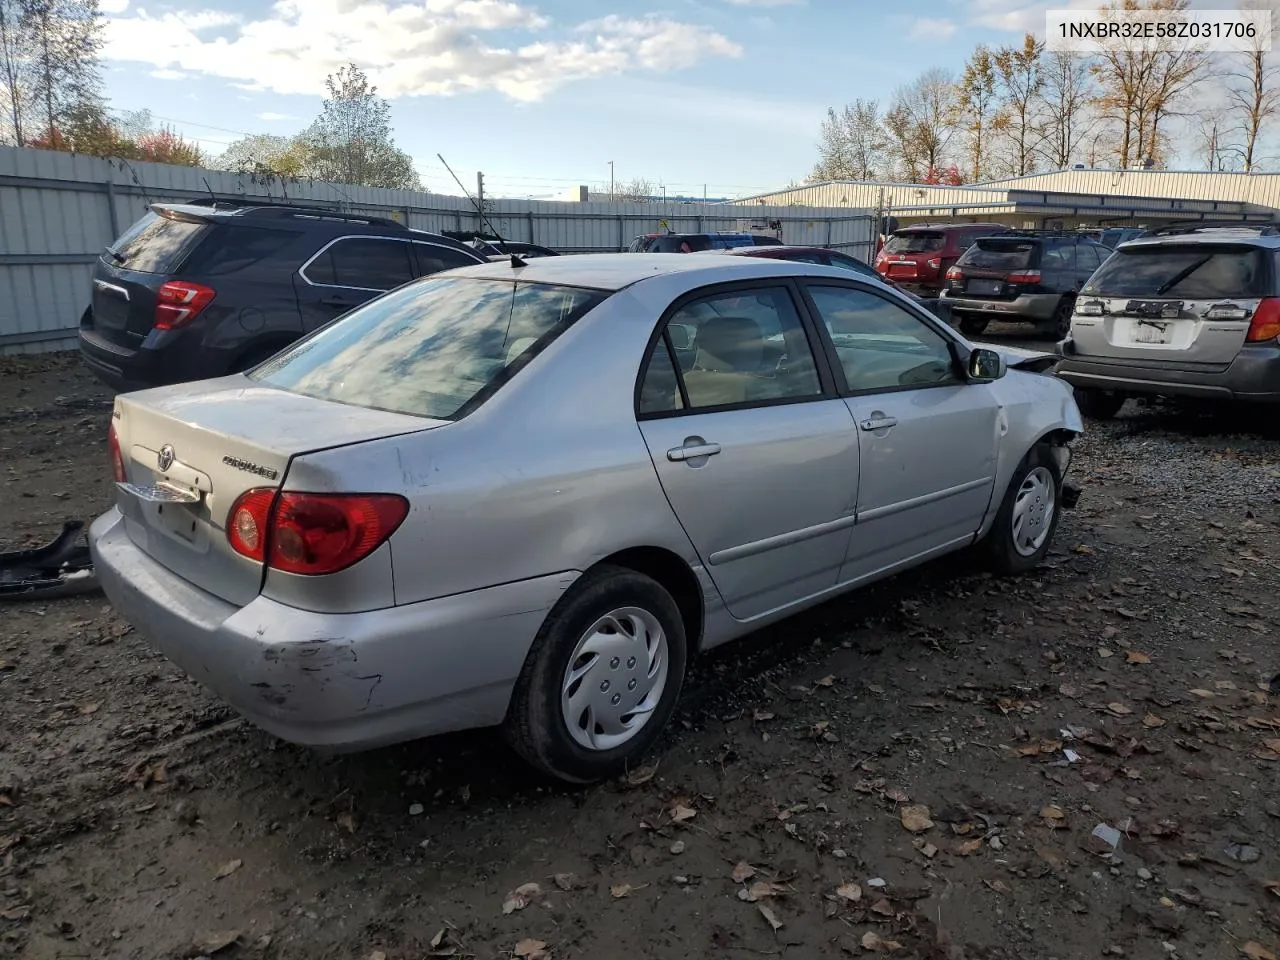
985,366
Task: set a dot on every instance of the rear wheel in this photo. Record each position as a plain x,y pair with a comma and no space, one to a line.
1061,322
1098,404
1028,518
602,678
972,325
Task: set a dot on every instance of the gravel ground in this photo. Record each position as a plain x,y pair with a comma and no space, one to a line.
913,771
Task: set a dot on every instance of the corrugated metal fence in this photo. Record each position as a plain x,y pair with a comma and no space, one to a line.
58,210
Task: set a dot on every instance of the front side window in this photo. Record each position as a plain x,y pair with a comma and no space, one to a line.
732,348
432,349
880,345
365,263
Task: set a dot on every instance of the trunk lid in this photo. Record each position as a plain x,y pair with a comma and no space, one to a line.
1172,302
191,450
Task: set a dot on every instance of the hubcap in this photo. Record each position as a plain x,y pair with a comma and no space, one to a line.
1033,511
615,679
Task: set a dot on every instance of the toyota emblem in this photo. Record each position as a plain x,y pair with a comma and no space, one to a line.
164,459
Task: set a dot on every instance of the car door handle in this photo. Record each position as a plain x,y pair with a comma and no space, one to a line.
879,421
692,451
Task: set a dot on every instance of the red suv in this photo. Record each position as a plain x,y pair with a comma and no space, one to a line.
917,258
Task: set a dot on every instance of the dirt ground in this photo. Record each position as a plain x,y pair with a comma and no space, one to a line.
913,771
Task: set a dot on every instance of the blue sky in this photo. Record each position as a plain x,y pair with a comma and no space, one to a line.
542,94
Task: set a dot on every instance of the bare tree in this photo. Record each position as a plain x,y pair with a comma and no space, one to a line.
852,143
975,105
1066,100
635,190
1216,140
15,64
920,123
1254,85
1020,81
64,38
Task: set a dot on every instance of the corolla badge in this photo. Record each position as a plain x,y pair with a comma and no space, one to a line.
164,459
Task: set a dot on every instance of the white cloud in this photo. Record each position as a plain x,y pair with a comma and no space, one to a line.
1018,15
169,74
422,48
109,7
931,28
765,3
276,116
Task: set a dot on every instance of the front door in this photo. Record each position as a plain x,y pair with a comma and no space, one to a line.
757,457
927,437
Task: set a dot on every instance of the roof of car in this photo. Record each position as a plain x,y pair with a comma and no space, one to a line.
1243,235
613,271
935,227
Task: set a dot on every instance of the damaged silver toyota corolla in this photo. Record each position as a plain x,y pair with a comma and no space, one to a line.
527,494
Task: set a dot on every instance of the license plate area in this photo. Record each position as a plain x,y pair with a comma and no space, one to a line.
167,507
902,268
987,287
1148,332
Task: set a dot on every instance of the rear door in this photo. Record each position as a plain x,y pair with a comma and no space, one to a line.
133,268
429,258
757,456
927,437
347,272
1178,302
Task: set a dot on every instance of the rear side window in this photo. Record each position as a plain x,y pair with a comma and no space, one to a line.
156,244
365,263
994,253
915,242
227,249
433,349
1194,273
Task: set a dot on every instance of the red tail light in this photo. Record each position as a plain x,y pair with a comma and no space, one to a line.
1026,276
179,302
117,458
955,273
1265,324
312,533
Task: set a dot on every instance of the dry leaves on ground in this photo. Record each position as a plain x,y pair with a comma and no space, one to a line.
760,890
532,950
1256,951
773,920
228,868
1136,656
641,775
680,812
849,891
743,871
521,897
916,818
874,942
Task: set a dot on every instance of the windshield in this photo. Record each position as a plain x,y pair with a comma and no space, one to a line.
915,242
1194,273
436,348
991,253
155,244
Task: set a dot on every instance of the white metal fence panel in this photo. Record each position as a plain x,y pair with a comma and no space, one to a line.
58,210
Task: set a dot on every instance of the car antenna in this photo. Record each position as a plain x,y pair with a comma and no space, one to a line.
515,261
212,196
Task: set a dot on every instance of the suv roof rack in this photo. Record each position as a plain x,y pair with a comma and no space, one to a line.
1040,232
1264,228
269,209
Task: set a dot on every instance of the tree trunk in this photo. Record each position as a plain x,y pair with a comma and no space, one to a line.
8,50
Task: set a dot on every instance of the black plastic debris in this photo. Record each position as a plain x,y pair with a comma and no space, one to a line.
61,568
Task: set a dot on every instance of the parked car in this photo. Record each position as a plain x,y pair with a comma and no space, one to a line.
834,258
697,242
1193,312
1112,237
1021,277
530,495
917,258
505,248
195,290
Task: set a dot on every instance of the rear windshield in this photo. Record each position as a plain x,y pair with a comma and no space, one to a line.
155,244
437,348
1194,273
915,242
994,253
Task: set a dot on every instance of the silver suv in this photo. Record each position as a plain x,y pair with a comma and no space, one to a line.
1186,311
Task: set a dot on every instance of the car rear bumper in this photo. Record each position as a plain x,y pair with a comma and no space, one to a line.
119,367
1034,306
336,681
1254,375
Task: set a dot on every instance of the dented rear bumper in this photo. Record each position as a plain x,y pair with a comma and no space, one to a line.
337,681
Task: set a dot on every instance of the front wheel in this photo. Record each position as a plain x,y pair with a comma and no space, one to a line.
1061,323
602,678
1023,530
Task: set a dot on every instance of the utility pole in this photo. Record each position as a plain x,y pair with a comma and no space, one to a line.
480,198
611,181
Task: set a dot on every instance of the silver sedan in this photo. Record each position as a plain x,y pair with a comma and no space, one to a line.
527,495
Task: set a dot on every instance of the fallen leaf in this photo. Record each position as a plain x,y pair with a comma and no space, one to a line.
532,950
1135,656
5,800
853,893
928,849
680,813
762,715
438,939
16,913
743,871
761,889
87,708
883,907
620,890
999,886
897,796
827,681
1103,652
1256,951
521,897
1119,709
217,942
775,923
1272,745
641,775
916,818
872,941
567,881
346,821
1152,721
1203,694
228,868
1273,886
1084,549
1053,812
968,847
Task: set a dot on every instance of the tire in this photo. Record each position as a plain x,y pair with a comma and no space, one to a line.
1098,404
1061,322
971,325
538,724
1017,550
